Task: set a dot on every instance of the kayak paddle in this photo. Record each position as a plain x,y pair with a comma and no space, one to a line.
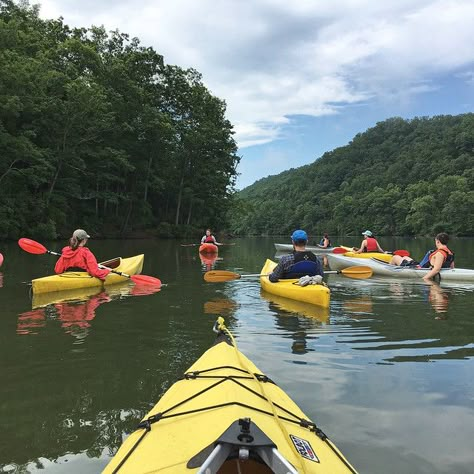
31,246
402,253
218,276
198,245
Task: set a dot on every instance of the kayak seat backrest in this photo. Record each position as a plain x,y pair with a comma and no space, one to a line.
114,263
300,269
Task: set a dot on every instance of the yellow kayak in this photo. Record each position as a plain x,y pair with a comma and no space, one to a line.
314,294
74,280
386,257
226,416
299,308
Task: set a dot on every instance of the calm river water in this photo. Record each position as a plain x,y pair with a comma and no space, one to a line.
387,372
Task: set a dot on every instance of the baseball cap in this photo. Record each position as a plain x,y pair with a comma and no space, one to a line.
81,234
367,233
299,235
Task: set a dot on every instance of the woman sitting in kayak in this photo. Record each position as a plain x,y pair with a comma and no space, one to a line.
437,259
208,238
325,242
369,244
76,257
299,263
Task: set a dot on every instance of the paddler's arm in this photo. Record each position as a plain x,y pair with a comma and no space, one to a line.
437,263
285,262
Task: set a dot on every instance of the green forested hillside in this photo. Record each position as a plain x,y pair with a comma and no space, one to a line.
96,131
401,177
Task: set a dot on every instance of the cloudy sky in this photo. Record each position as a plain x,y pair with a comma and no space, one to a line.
303,77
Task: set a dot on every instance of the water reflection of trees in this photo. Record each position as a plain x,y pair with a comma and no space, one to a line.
92,402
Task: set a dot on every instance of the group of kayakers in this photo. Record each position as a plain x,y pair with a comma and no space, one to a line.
77,257
302,262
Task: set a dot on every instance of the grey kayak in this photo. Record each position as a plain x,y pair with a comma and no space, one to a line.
316,249
339,262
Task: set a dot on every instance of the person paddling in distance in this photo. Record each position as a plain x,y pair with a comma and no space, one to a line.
325,242
299,263
369,244
437,259
208,238
77,257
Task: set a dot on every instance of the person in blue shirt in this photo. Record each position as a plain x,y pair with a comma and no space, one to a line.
299,263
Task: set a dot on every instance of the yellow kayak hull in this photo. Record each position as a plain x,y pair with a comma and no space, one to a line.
299,308
386,257
217,390
76,280
314,294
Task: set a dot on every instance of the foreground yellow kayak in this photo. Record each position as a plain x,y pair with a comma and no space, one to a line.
315,294
226,416
74,280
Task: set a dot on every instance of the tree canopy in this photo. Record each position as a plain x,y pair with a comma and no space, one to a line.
97,131
401,177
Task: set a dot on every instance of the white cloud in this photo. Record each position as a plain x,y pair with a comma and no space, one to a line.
272,59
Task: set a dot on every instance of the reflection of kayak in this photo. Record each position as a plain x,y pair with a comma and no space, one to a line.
315,249
298,307
208,260
74,308
314,294
83,294
219,418
380,268
73,280
208,248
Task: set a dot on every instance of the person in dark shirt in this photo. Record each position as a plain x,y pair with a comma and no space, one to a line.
299,263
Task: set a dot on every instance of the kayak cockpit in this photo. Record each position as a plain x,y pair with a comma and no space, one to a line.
113,263
243,447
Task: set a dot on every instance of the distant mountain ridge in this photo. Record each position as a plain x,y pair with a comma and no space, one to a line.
401,177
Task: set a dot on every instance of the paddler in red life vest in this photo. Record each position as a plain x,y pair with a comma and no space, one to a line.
437,259
76,257
369,244
208,238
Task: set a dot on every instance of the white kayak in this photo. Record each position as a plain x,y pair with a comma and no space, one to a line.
380,268
316,249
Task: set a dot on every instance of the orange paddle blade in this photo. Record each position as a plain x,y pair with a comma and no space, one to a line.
31,246
340,250
217,276
145,280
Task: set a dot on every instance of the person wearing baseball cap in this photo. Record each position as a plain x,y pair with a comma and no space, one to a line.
369,244
299,263
76,257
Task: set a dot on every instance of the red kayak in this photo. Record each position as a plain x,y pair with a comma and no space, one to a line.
208,248
1,259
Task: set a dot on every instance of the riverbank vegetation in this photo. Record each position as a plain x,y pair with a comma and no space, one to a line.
96,131
401,177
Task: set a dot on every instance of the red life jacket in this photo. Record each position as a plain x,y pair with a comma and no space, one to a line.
210,239
371,245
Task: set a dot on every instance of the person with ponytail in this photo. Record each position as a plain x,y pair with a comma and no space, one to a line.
76,257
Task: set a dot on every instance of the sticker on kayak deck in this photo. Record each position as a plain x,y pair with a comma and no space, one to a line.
304,448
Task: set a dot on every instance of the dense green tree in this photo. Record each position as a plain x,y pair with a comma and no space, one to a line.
399,177
97,131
